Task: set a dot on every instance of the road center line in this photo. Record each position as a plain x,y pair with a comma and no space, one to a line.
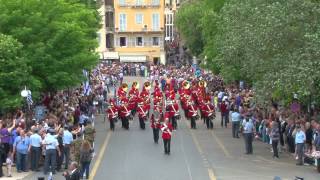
224,149
211,174
100,156
185,157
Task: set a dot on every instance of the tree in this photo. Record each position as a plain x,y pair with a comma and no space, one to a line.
58,38
14,73
188,23
274,45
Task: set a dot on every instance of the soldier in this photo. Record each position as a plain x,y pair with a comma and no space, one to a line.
166,129
192,113
208,112
145,95
156,119
133,97
142,113
112,112
173,109
122,91
124,113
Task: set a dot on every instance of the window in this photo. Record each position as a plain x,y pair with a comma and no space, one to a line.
139,2
123,22
156,2
139,18
123,41
139,41
122,2
155,41
155,22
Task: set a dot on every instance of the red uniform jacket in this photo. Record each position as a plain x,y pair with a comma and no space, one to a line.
173,109
112,113
121,93
166,130
192,110
157,107
142,111
223,107
133,94
155,123
124,111
207,109
145,95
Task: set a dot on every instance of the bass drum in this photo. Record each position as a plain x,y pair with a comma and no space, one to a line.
177,117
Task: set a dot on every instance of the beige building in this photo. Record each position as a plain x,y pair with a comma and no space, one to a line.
132,31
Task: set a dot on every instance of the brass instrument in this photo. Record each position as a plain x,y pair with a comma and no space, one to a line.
147,85
186,85
203,83
124,86
135,85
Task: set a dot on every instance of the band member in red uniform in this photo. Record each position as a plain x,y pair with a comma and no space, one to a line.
208,112
124,113
192,113
142,113
156,124
122,91
166,129
133,97
112,112
145,95
173,110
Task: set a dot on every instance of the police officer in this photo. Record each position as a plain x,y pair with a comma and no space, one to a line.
51,146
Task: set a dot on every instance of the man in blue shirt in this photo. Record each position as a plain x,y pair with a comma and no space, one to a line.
67,140
248,128
300,140
235,117
20,147
35,149
51,145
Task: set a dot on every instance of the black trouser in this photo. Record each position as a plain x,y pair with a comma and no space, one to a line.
224,118
155,135
142,124
290,141
300,152
112,124
275,148
235,129
50,161
125,122
2,152
166,143
174,122
193,123
35,157
60,159
66,155
209,122
248,137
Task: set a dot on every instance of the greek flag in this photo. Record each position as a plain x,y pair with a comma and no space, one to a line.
29,99
86,85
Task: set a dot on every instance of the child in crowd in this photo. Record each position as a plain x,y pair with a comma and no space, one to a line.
9,163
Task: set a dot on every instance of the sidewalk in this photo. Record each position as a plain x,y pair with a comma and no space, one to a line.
15,174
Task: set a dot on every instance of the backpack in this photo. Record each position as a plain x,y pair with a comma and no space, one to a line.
85,156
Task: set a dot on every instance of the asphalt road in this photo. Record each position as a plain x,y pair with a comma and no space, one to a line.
199,154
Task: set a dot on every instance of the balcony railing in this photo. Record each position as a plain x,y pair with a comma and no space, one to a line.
140,5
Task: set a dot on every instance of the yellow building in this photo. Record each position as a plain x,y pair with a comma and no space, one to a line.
133,31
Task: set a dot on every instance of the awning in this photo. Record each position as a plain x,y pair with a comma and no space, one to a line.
110,55
133,58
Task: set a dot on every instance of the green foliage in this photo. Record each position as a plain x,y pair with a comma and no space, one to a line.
272,44
58,38
13,72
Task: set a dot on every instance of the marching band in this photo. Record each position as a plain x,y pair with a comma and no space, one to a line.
165,112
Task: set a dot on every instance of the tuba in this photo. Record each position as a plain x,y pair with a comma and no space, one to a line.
203,83
124,86
147,85
186,85
135,85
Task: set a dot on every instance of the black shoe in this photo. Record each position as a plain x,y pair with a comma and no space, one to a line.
299,164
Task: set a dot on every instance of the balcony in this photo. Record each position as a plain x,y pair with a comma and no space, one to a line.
142,30
140,5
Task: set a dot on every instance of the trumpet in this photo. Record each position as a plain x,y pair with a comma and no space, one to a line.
147,85
124,86
203,83
186,85
135,85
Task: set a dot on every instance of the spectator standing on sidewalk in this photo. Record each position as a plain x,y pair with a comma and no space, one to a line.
85,158
299,141
235,117
67,141
275,136
20,148
35,149
51,146
74,174
248,128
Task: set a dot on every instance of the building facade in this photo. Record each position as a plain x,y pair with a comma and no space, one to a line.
133,31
